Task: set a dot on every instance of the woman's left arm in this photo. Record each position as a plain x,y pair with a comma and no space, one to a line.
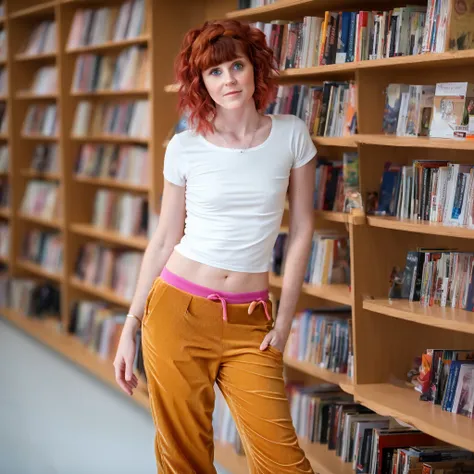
301,191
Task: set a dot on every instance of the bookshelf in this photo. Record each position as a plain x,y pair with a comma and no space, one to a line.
389,399
387,334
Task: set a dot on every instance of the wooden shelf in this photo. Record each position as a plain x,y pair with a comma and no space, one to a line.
324,461
38,270
404,403
54,223
4,259
38,11
329,72
282,9
5,212
415,142
106,294
111,93
109,236
342,380
110,45
420,227
112,183
335,293
347,70
70,347
295,9
225,456
344,217
332,216
27,95
35,57
41,138
27,173
111,139
388,140
172,88
342,142
454,319
4,137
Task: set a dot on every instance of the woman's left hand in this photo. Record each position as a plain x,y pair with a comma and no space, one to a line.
276,338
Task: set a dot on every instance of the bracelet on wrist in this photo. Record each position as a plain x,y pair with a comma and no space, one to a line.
129,315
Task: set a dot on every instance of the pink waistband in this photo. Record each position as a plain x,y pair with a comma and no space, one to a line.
255,298
202,291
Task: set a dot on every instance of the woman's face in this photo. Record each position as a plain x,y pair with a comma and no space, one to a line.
231,84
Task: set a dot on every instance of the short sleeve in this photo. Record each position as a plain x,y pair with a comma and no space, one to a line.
301,144
173,167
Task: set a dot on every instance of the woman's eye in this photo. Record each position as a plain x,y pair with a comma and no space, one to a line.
238,66
215,72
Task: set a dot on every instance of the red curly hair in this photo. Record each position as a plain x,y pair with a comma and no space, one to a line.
214,43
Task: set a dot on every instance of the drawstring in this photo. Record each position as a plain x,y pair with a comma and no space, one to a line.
216,297
252,306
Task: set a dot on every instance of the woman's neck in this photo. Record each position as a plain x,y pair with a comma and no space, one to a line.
237,122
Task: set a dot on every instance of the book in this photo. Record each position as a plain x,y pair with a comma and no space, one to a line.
395,94
453,110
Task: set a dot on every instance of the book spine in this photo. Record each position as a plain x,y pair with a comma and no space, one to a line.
351,38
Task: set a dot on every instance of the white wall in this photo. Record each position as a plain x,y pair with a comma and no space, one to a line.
56,419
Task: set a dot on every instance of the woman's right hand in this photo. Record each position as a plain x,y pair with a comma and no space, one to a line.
125,356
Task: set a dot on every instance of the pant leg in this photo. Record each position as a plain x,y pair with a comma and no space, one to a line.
252,383
181,351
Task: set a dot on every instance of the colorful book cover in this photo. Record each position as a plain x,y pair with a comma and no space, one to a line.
392,107
461,25
453,110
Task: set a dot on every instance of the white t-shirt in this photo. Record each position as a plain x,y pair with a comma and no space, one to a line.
235,198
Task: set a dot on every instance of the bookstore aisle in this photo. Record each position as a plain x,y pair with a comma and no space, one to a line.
380,360
56,419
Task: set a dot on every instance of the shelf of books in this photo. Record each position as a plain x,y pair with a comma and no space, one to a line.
379,363
403,403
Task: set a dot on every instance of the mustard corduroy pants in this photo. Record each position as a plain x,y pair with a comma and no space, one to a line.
187,347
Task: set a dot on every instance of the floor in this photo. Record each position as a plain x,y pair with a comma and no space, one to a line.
57,419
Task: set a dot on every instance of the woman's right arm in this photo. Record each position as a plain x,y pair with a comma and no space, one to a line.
168,233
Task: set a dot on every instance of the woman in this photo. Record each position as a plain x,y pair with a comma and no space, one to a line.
207,316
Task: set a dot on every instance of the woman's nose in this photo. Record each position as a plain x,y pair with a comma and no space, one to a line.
230,79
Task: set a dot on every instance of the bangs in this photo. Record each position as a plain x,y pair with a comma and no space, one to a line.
224,49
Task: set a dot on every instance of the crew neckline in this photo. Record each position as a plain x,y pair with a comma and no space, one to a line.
240,150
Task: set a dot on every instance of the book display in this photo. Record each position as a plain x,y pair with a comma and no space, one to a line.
379,364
